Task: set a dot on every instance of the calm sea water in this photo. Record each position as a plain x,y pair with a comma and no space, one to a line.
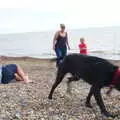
102,42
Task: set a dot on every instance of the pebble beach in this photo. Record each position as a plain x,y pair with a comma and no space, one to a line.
20,101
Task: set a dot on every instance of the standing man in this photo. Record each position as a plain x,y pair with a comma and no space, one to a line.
60,44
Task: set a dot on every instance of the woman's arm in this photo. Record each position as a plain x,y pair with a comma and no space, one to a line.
54,39
67,42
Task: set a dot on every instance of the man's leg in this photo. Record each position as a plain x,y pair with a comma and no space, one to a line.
17,77
21,75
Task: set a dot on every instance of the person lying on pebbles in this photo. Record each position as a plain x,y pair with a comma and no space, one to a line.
12,71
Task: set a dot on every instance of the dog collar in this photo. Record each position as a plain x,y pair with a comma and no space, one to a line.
115,77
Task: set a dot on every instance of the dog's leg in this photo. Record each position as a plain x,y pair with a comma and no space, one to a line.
87,103
57,82
70,79
69,85
99,101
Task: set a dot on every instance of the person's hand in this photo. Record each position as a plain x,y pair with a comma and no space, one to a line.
68,47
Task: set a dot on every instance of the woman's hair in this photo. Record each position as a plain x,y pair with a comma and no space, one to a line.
62,25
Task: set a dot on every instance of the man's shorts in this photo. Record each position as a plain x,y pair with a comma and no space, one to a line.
8,73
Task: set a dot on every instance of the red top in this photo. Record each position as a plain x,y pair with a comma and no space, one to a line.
83,48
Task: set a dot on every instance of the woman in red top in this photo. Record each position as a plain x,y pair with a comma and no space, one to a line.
82,46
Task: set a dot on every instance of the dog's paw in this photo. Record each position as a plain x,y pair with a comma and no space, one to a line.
50,97
88,105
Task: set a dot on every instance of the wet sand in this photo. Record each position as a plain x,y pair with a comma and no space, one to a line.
20,101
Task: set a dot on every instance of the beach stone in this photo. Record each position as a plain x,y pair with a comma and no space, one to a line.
42,118
71,119
30,112
55,117
18,115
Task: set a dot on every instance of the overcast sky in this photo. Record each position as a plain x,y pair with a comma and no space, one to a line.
37,15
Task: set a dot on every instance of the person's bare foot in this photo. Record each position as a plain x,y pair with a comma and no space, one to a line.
27,80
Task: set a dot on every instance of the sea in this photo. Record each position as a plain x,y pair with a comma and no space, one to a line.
102,42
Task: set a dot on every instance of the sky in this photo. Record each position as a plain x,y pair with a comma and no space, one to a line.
38,15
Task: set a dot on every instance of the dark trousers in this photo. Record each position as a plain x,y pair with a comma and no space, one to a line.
60,53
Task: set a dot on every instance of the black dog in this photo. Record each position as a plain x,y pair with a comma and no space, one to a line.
96,71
